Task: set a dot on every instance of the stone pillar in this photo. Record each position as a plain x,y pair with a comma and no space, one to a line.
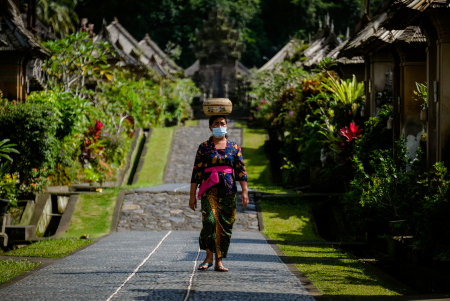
431,50
441,22
13,76
412,70
380,62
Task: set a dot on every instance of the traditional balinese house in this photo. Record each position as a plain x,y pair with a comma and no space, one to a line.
124,41
433,17
325,42
287,52
347,67
217,71
395,60
151,50
118,57
17,47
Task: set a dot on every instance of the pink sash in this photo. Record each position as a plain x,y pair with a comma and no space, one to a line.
213,178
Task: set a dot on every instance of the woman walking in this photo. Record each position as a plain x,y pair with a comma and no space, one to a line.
218,165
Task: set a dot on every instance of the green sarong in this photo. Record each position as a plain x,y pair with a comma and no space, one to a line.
218,216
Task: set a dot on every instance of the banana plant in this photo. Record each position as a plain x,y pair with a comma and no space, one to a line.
347,92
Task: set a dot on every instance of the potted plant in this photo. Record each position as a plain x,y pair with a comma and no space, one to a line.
422,94
3,206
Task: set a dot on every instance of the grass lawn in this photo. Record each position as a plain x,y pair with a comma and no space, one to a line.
191,123
256,161
51,248
10,268
290,219
93,214
345,278
152,172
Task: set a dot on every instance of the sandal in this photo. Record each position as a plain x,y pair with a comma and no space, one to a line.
205,266
220,268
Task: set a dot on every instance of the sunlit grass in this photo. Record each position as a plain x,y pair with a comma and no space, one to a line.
290,219
311,251
11,268
191,123
152,173
93,214
345,278
255,160
50,248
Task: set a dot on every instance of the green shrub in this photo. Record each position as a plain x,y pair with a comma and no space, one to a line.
32,128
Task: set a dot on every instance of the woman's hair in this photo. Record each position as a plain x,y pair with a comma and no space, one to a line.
214,117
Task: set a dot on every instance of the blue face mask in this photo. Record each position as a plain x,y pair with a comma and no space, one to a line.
219,132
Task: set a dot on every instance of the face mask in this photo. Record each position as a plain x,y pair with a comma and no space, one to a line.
219,132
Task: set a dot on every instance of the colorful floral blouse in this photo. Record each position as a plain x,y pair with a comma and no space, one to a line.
208,156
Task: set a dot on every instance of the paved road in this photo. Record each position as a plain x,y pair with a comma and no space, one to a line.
160,266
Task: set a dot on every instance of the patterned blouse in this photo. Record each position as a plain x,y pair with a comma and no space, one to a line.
208,156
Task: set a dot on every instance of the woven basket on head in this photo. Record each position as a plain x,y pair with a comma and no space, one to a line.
217,106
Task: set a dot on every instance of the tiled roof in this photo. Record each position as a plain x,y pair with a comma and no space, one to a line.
13,34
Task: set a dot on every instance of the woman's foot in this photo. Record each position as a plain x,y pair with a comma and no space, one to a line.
205,266
208,262
220,268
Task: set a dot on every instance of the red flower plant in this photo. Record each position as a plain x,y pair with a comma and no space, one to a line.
352,133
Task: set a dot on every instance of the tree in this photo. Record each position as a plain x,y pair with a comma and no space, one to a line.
59,15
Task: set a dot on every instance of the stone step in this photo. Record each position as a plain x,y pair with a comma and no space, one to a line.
20,233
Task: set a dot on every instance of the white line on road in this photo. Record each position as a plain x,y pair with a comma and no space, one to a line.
137,269
192,276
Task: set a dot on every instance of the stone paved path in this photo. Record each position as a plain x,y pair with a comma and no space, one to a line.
166,207
101,270
153,211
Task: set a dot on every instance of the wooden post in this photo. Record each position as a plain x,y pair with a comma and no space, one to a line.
431,51
441,22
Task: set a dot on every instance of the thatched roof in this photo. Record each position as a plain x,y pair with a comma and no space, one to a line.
128,44
151,49
125,59
13,34
343,60
404,13
288,50
374,36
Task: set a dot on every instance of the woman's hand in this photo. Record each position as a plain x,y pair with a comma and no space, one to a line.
244,198
193,202
192,199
